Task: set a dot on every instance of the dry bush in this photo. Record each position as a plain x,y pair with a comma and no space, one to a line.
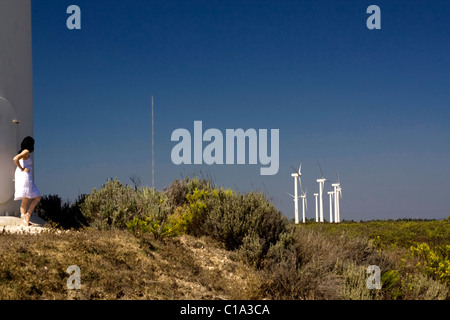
315,265
320,265
230,219
237,220
421,287
178,190
115,204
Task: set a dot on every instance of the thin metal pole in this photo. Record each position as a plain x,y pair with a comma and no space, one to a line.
153,148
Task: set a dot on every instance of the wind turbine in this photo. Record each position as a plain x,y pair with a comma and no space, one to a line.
321,182
337,194
317,213
296,207
331,193
304,205
339,190
297,177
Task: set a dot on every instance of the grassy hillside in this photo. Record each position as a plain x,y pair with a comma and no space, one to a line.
198,241
117,265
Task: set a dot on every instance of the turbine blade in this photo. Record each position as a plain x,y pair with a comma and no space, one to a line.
300,181
290,195
300,168
320,167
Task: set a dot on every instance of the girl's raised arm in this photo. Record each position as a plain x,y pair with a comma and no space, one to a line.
23,154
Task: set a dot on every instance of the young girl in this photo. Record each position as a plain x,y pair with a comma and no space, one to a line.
26,190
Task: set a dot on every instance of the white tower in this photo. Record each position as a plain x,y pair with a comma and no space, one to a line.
330,194
321,185
304,206
297,176
321,182
338,195
16,93
335,186
317,208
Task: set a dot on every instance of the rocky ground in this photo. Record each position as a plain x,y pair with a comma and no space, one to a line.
11,224
22,229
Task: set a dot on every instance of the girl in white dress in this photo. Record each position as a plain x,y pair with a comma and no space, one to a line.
25,189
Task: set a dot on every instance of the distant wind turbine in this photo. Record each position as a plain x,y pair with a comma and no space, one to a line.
321,182
337,194
317,212
297,179
331,193
304,206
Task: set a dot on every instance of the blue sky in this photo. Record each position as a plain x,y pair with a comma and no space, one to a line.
372,104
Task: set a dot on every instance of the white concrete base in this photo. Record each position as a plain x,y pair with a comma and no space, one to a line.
15,221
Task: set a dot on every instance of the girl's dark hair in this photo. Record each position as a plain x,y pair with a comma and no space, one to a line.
27,143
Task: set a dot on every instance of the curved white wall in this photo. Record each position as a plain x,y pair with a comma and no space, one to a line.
16,92
8,136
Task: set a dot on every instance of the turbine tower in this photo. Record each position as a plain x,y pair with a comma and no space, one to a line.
317,212
321,182
336,206
337,194
16,93
297,178
304,206
331,193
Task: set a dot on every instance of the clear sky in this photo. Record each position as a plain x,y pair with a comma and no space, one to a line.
371,104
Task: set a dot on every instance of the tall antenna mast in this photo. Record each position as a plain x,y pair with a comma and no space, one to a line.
153,148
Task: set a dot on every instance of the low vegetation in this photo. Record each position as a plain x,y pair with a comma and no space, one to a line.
420,248
195,240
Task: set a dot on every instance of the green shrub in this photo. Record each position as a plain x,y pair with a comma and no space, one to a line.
251,250
392,284
179,189
116,204
434,261
247,222
230,217
174,225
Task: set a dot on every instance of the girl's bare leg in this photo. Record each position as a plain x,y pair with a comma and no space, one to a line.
33,204
23,210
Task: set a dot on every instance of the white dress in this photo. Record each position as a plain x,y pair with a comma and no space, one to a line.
25,187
